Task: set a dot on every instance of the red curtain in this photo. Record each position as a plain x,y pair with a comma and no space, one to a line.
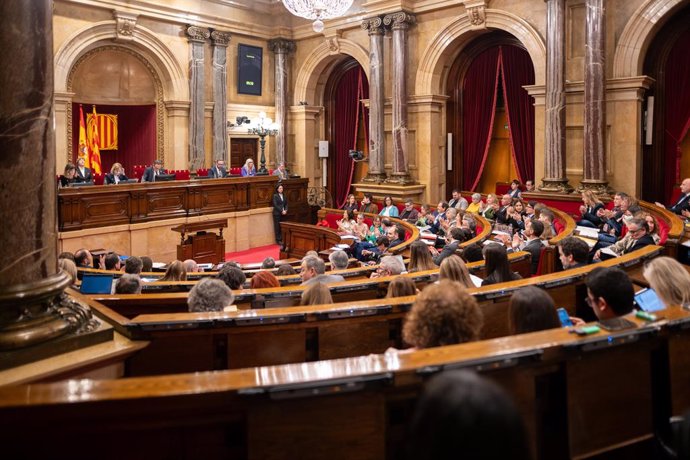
348,117
517,71
136,135
478,110
677,116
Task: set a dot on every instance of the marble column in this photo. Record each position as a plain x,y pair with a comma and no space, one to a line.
594,155
220,95
555,179
399,23
197,37
281,48
377,145
31,287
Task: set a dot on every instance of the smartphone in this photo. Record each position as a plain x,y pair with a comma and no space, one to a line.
564,318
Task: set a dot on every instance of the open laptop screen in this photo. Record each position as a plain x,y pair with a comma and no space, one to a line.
96,284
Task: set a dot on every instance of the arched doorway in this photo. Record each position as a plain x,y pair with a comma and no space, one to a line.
347,126
490,115
666,156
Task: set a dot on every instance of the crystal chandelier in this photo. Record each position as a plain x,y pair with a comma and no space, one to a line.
318,10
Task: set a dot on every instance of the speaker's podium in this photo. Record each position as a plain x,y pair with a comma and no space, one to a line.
203,246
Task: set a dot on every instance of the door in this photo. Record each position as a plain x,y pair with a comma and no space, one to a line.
241,149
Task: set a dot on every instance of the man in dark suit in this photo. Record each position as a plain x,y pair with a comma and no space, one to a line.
532,244
457,235
502,213
83,173
218,171
683,203
152,171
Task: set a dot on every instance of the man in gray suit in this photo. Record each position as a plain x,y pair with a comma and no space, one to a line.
313,271
218,170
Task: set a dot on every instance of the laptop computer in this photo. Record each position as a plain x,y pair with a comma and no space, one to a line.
648,300
96,284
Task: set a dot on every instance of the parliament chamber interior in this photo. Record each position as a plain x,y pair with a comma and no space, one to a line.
345,229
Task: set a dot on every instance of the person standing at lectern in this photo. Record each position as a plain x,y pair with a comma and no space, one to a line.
152,171
248,169
281,172
117,175
218,171
280,207
83,173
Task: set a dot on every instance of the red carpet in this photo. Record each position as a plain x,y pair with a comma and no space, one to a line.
254,254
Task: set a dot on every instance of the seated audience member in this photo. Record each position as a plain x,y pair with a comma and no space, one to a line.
350,203
66,255
233,277
470,224
475,206
268,263
682,205
175,272
360,229
454,269
191,266
461,415
443,314
491,207
281,172
133,265
636,238
128,284
448,222
401,286
409,214
248,169
473,253
371,252
83,259
497,265
457,236
669,279
112,261
501,215
218,171
547,217
150,173
147,264
610,292
68,176
425,218
264,279
420,258
339,260
573,252
613,220
286,270
313,271
389,266
311,253
514,191
389,208
346,224
116,175
83,173
69,267
439,215
396,235
209,294
529,185
532,309
515,215
591,205
316,294
367,205
375,230
457,201
532,242
529,210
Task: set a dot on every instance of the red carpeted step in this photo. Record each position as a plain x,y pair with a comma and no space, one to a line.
254,254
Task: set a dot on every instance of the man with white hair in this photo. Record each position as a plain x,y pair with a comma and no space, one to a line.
313,270
339,260
389,266
191,266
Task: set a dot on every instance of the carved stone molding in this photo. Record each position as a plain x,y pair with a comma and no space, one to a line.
399,20
476,12
125,23
220,38
197,34
373,25
281,45
333,45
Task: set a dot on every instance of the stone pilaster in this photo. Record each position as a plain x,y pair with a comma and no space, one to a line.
197,37
377,146
281,48
220,94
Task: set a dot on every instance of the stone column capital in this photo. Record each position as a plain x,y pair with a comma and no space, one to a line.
282,45
400,20
197,34
220,38
373,25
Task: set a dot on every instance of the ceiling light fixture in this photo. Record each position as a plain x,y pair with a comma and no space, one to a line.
317,10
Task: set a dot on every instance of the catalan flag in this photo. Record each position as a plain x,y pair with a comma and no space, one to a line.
83,149
94,143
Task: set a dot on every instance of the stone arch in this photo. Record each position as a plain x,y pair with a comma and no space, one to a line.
639,32
446,45
311,73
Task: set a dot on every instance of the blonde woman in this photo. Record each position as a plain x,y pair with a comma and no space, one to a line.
454,269
669,279
117,175
175,272
588,211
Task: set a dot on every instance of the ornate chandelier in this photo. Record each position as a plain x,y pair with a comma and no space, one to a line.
318,10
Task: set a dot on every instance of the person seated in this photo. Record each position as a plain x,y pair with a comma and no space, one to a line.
612,228
401,286
248,169
389,208
313,270
529,186
514,191
112,261
457,201
497,265
443,314
66,255
264,279
396,235
281,172
476,205
347,223
175,272
191,266
472,253
682,205
669,279
367,205
501,215
389,266
470,224
371,252
84,174
491,207
84,259
454,269
128,284
573,252
286,270
530,213
589,210
210,294
68,266
147,264
268,263
515,215
233,277
133,265
531,309
218,171
420,258
447,223
425,217
610,293
350,203
457,236
339,260
636,238
316,294
532,242
68,176
546,216
409,214
150,173
461,415
116,175
360,229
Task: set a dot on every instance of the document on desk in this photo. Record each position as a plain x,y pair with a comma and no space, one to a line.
588,232
609,252
477,281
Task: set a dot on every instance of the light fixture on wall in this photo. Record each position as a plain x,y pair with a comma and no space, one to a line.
317,10
264,127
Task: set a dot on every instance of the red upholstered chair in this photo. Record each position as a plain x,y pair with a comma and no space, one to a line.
333,219
235,171
182,174
98,179
270,172
542,257
663,231
202,172
560,226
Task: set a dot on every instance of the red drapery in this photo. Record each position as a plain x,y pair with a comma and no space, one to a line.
677,116
517,71
136,132
478,110
348,117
